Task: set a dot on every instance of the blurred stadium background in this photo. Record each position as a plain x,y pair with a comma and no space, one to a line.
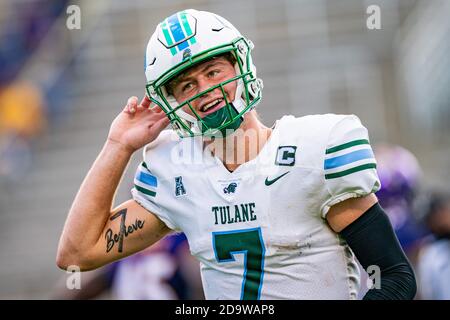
61,88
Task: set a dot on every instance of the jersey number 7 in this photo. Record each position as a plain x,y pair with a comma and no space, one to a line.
249,242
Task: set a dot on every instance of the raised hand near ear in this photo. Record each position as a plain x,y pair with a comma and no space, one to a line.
137,124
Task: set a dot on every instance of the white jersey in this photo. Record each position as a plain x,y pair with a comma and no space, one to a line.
260,232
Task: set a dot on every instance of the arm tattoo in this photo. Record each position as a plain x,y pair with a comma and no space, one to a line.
113,238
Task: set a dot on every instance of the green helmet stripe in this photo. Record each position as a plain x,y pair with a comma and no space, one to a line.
185,23
187,27
166,33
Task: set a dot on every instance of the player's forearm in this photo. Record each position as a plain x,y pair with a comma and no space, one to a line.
93,203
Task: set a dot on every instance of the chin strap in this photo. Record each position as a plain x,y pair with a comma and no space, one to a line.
218,118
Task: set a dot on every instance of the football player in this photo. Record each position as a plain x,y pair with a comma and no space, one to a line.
276,212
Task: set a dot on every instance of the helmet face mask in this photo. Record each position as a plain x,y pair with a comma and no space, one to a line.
184,118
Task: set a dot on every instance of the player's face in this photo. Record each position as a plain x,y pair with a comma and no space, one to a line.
202,77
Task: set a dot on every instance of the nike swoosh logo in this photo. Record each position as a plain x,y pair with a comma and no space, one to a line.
269,182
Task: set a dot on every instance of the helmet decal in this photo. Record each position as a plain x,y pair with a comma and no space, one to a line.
187,54
178,34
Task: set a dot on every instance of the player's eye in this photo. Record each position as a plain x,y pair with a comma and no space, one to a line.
187,87
213,73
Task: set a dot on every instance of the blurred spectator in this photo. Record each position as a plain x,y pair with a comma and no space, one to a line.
401,177
165,271
27,24
22,110
22,119
434,258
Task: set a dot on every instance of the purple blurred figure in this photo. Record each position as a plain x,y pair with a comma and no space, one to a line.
400,175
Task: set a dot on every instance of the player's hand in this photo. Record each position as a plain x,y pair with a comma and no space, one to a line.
137,124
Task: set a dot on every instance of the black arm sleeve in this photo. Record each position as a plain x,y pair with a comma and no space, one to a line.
374,242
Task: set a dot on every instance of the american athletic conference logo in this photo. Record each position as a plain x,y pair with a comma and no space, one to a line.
179,187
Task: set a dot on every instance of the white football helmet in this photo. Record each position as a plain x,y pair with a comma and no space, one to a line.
185,39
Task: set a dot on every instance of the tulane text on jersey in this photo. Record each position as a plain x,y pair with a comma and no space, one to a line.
238,213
